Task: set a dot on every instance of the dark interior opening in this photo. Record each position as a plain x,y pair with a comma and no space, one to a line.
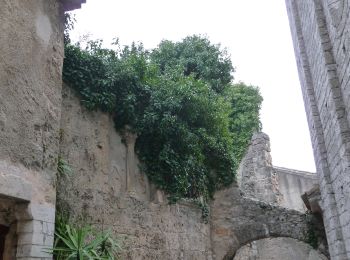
3,232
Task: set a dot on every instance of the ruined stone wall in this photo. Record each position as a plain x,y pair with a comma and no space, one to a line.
321,33
106,189
276,249
237,221
256,176
259,179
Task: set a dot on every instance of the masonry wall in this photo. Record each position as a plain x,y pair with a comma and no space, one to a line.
292,184
320,31
237,221
106,189
256,176
259,179
278,248
31,56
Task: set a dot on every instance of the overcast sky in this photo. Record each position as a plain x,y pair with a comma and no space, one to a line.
256,34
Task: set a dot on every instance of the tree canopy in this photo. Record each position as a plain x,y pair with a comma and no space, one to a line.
196,56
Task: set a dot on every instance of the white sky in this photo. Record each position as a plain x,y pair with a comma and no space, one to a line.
256,34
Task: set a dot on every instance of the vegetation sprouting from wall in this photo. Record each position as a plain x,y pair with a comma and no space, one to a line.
193,124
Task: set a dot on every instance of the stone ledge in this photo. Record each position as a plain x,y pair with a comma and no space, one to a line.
15,187
309,175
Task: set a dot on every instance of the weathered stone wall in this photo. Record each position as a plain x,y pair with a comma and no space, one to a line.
277,249
256,176
107,190
321,33
236,221
31,56
292,184
259,179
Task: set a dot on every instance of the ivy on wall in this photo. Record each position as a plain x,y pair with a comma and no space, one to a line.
193,125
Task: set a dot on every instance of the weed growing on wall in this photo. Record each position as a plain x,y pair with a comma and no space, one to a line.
193,125
83,242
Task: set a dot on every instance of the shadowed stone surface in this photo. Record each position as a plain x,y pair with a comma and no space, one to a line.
321,37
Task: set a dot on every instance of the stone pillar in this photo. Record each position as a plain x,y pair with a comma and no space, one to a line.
35,230
256,176
320,32
130,162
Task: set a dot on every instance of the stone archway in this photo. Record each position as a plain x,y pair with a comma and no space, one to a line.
237,221
278,248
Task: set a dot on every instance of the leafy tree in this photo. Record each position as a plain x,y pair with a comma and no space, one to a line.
245,118
193,125
196,56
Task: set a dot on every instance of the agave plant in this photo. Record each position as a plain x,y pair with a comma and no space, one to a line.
83,243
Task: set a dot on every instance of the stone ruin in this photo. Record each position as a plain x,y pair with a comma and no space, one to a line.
260,217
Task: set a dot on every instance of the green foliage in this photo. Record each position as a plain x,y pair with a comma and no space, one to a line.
245,120
68,26
179,101
311,238
63,169
196,56
83,243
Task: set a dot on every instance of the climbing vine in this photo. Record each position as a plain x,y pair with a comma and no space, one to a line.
193,125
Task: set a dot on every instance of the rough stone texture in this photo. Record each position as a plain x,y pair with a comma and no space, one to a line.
107,190
14,186
31,56
277,249
321,33
236,220
256,176
259,179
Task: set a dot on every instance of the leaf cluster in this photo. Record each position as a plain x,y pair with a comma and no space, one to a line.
192,124
83,243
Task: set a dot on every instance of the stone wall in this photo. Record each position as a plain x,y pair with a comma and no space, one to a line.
31,57
259,179
256,176
107,190
321,33
293,184
277,249
237,221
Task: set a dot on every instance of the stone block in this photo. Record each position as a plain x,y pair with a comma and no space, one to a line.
41,212
35,251
14,187
29,226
